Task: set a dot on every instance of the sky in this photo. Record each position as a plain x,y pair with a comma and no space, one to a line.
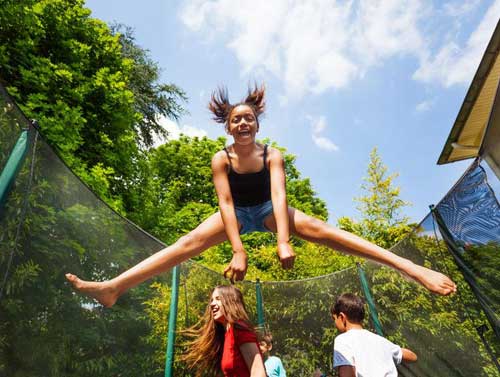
342,77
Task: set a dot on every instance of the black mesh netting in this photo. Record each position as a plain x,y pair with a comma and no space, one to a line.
469,219
51,223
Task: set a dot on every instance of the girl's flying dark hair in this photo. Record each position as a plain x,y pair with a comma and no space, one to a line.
220,106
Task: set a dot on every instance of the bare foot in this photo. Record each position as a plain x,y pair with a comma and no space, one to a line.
434,281
101,291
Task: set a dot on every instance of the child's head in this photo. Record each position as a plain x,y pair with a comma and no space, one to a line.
222,109
226,305
265,343
348,308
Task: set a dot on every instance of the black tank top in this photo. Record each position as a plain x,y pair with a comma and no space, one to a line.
250,189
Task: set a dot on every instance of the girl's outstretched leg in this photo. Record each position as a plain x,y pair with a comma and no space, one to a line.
209,233
317,231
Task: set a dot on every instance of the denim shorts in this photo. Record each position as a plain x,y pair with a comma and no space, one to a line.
252,218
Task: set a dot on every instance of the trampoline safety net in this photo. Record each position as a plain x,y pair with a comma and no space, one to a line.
51,223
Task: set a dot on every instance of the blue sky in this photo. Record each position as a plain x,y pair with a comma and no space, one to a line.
342,77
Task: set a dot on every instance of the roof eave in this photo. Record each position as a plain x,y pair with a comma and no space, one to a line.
478,81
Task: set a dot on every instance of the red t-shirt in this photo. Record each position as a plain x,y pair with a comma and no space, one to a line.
232,363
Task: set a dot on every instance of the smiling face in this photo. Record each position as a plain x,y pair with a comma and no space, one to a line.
217,308
242,124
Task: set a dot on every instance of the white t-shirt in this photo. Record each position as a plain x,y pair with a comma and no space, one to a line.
371,354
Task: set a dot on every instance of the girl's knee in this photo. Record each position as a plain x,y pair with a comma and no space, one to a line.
190,241
312,226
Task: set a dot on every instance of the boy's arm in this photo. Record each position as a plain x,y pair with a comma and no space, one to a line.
347,371
238,266
408,356
280,207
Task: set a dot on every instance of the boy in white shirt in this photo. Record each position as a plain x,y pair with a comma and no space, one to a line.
358,352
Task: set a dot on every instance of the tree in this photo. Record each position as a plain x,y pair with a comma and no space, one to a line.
93,91
410,315
380,207
175,193
52,224
151,98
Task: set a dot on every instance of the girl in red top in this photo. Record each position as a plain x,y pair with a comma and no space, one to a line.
249,179
226,342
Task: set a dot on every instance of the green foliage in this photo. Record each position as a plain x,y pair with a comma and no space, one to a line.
482,260
93,91
410,315
175,193
383,204
436,328
47,330
97,98
380,208
151,99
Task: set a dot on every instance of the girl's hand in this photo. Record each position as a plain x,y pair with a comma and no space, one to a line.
286,255
237,268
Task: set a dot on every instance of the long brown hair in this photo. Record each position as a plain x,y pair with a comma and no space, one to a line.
205,350
220,106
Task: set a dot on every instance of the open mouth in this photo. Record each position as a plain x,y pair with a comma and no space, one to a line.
244,133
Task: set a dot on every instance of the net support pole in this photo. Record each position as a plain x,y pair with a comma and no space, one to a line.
260,305
13,165
369,300
172,322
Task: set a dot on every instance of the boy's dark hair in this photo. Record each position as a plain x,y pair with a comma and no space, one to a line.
351,305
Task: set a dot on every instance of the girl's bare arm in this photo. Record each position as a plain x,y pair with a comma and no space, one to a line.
238,266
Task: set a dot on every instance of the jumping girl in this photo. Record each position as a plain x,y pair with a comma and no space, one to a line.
249,179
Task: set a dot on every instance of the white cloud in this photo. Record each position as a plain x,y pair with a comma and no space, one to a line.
424,106
453,64
175,131
312,45
318,125
324,143
386,28
317,45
